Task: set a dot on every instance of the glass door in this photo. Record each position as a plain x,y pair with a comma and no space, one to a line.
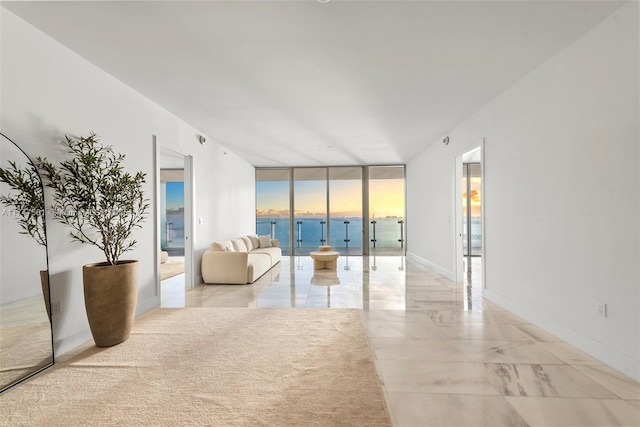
345,209
471,209
172,214
310,209
386,210
354,209
272,205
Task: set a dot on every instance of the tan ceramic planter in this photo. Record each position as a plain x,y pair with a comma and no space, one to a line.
44,281
110,298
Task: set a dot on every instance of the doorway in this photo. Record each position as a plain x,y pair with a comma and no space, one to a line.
469,213
175,226
471,209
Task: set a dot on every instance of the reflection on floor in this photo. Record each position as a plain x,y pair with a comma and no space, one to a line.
446,356
172,292
473,271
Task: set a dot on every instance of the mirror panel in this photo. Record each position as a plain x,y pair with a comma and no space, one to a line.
26,345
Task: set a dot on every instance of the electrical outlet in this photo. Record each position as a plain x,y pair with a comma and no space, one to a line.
55,307
602,309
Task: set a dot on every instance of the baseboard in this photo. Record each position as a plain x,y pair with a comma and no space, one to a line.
147,305
613,358
431,265
71,342
80,338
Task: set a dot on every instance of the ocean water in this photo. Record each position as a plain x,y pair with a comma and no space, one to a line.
311,232
173,232
476,236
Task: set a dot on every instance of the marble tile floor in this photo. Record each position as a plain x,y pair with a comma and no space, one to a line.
27,310
445,355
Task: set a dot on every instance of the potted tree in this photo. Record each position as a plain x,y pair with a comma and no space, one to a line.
102,205
26,200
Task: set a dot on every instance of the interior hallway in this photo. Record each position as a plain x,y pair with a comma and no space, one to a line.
445,356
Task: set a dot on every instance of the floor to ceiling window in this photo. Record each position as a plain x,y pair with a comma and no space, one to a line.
310,209
307,207
386,210
272,205
345,209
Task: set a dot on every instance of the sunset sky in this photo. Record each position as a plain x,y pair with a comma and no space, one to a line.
476,197
386,198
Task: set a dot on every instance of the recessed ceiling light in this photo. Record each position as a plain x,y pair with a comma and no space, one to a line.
323,1
330,147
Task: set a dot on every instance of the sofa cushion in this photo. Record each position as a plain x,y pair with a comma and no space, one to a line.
247,243
254,241
265,241
229,246
275,254
238,245
218,247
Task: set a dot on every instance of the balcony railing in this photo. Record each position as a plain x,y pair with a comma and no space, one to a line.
343,234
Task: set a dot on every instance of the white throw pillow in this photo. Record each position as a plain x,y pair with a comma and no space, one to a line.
247,243
255,242
218,247
265,241
238,245
229,246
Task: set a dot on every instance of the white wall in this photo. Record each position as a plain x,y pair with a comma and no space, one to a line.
232,211
49,91
561,198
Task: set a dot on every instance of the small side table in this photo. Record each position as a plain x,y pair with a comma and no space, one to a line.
325,258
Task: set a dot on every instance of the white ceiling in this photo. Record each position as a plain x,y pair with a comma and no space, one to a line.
308,83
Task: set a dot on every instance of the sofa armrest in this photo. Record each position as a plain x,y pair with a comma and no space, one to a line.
275,243
224,267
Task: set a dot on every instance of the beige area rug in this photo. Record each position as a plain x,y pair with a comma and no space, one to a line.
214,367
173,267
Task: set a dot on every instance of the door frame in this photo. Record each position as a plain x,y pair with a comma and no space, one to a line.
189,210
457,215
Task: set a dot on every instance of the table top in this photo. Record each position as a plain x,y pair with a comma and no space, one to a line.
317,253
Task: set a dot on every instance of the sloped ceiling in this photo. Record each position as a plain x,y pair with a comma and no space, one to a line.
309,83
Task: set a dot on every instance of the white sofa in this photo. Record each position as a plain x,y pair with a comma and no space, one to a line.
240,261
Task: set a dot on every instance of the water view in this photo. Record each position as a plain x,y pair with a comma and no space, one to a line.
345,232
